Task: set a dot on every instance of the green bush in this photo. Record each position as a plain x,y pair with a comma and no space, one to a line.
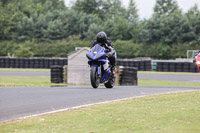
158,50
7,47
24,52
125,49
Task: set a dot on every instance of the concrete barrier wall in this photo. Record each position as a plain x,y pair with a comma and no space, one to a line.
78,69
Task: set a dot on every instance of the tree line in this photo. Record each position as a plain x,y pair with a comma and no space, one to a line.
50,28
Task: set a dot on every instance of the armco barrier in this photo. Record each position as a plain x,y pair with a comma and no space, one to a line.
31,62
176,67
48,62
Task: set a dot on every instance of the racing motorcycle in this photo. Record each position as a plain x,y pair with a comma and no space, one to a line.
100,68
197,61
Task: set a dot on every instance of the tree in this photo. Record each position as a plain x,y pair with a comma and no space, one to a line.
164,29
132,12
4,22
109,28
132,17
92,31
52,5
165,7
191,31
165,25
55,30
113,9
121,27
88,6
84,23
4,2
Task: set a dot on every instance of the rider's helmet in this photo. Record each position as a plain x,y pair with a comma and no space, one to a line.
101,37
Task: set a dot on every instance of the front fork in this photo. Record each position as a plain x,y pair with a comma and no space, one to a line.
99,70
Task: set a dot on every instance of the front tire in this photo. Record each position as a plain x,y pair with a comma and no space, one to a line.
94,77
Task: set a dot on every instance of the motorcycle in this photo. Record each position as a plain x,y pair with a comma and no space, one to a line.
197,61
100,68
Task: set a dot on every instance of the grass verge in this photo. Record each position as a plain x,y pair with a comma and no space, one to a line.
25,81
174,112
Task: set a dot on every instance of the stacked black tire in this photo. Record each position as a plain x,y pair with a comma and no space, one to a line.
128,76
176,67
57,74
144,65
31,62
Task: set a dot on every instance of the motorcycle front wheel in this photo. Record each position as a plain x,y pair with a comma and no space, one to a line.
94,77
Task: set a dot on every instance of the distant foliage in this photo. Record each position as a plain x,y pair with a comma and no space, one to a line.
23,52
49,28
166,7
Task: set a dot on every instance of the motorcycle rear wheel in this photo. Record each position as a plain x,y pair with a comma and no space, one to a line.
110,83
94,77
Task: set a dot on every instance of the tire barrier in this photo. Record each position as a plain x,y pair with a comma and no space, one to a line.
31,62
128,76
48,62
176,67
57,74
144,65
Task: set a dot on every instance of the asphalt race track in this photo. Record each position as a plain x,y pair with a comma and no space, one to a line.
16,102
171,77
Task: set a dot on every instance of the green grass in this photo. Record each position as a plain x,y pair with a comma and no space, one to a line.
24,70
149,82
165,113
25,81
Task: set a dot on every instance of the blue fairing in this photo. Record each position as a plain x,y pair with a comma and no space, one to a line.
106,75
97,57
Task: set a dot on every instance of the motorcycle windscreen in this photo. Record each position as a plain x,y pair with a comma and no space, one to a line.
93,52
98,52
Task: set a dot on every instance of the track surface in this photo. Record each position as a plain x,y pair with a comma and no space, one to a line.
171,77
18,102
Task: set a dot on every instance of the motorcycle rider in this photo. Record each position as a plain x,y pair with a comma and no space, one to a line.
101,38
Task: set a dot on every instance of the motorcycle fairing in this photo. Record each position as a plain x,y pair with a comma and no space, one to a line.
96,53
105,76
97,58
